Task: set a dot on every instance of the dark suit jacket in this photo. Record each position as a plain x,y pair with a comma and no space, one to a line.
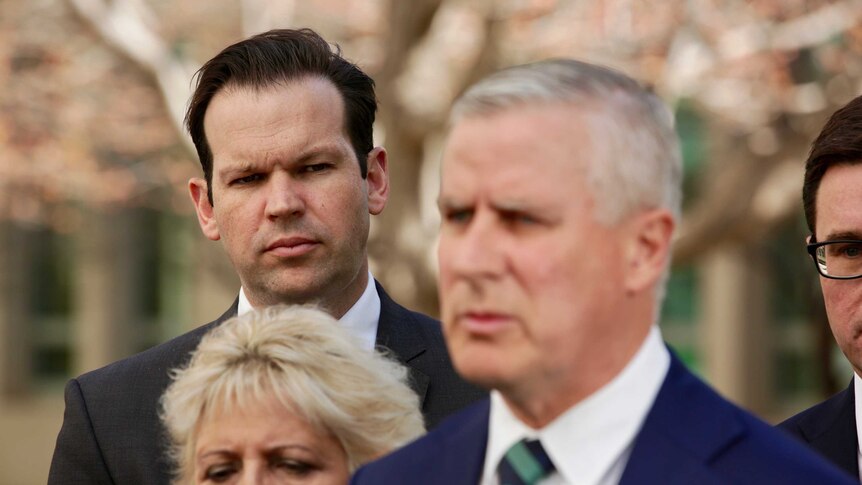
690,436
830,428
112,434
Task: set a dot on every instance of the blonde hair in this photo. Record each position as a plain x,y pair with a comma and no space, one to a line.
303,358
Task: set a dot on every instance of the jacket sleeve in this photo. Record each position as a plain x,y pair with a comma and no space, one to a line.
77,457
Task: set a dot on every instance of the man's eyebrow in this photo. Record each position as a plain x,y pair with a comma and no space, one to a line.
835,236
510,206
240,167
449,203
313,153
322,149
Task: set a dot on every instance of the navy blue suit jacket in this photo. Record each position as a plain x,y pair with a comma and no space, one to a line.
830,429
111,432
691,435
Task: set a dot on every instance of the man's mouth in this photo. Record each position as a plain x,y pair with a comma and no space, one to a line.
291,247
484,322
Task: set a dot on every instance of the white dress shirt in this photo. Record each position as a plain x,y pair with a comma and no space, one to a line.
857,394
360,321
591,442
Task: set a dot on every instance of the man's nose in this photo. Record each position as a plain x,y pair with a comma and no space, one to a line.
285,197
477,251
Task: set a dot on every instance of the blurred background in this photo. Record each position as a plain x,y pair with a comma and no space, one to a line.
101,256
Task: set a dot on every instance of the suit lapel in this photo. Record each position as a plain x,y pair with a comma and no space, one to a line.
397,334
676,441
832,431
463,450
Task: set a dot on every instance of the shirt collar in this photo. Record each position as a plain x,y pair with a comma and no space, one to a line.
360,321
857,393
362,318
589,440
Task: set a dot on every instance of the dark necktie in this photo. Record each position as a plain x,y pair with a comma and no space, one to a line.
524,464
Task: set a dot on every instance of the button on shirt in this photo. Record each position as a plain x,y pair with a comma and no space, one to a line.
360,321
591,442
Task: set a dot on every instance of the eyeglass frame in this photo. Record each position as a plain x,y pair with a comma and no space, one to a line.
812,246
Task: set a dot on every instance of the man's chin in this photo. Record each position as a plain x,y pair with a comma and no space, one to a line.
298,291
485,371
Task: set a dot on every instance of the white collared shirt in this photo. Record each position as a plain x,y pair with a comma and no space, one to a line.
591,442
360,321
857,394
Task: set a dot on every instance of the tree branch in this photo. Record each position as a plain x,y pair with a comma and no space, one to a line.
125,25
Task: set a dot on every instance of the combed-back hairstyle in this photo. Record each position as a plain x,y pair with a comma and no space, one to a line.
276,57
839,142
636,161
307,362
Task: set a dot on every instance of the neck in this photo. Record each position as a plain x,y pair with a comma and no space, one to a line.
543,400
336,302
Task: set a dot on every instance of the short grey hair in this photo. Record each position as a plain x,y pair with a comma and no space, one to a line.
636,161
303,358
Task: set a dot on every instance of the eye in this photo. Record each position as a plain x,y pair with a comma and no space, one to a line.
457,216
316,167
248,179
850,250
519,218
292,466
221,472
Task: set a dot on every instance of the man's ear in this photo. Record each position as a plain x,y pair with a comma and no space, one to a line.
808,239
206,219
377,178
649,249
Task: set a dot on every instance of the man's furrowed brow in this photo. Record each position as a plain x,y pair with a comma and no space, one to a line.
322,150
510,205
238,168
445,203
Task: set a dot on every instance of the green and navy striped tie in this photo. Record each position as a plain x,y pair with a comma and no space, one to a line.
524,464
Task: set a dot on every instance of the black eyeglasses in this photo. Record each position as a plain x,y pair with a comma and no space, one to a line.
840,259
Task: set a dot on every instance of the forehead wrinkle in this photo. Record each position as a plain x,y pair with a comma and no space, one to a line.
267,158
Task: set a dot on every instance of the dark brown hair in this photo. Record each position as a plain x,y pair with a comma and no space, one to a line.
278,56
840,141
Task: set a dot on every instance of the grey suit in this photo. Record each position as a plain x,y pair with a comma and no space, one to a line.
112,434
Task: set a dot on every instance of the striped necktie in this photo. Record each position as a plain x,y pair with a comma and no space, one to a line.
524,464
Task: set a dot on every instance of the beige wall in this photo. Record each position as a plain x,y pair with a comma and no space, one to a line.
29,428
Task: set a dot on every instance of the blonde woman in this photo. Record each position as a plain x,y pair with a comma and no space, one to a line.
284,395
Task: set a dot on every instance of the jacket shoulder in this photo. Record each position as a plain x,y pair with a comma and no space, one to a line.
146,364
111,424
773,455
693,432
452,453
818,417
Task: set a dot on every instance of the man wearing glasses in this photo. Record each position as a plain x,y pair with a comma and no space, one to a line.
832,196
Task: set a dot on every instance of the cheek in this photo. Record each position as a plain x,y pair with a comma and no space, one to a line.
345,209
843,300
546,270
236,218
445,254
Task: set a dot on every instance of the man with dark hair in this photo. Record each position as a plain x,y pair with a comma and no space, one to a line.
832,199
283,128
